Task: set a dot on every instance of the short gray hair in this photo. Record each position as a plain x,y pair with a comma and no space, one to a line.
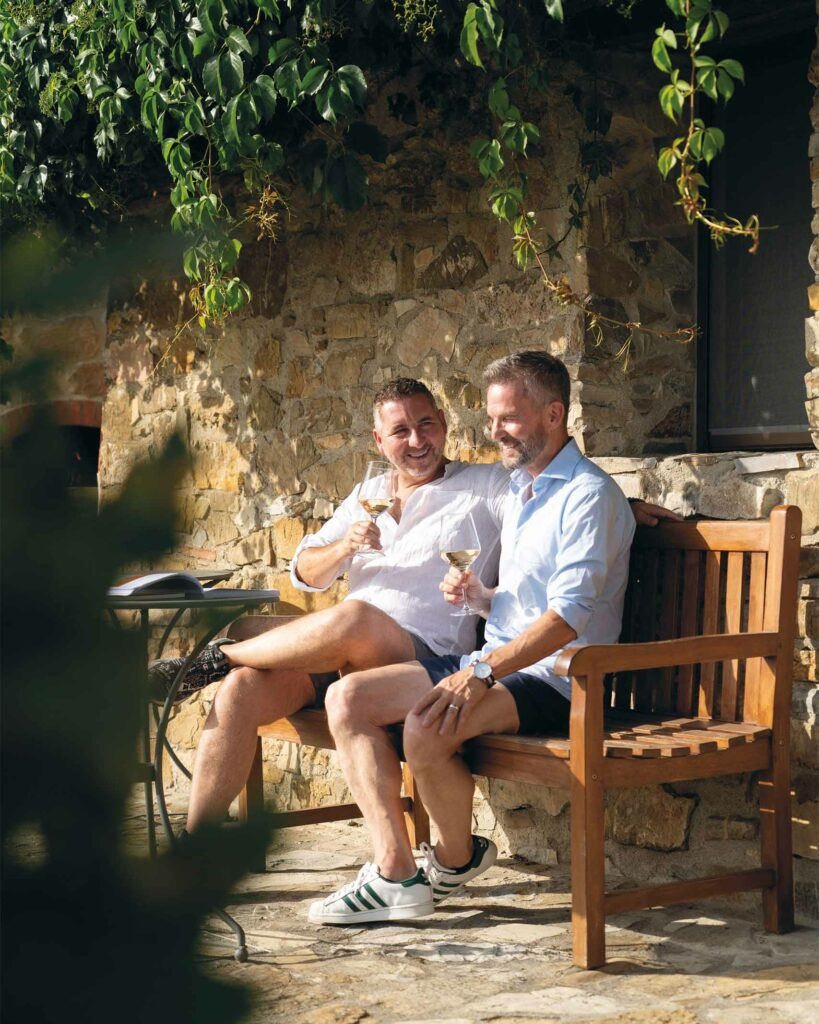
538,372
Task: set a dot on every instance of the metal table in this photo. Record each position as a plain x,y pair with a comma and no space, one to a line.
226,604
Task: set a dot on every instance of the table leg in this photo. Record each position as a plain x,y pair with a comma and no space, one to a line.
144,628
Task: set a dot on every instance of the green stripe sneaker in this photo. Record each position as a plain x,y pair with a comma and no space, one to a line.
373,898
446,882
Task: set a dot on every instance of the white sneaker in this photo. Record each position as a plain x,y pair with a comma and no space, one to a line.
446,882
373,898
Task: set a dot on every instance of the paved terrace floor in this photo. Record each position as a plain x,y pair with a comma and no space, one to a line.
501,953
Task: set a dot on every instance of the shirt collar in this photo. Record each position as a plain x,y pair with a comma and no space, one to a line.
562,467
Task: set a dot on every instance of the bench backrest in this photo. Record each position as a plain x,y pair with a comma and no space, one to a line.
712,577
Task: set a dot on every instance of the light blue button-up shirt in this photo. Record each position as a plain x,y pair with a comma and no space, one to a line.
565,546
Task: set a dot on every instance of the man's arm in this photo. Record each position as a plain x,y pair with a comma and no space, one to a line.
545,636
319,566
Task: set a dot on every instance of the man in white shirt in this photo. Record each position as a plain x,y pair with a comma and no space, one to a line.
394,610
566,538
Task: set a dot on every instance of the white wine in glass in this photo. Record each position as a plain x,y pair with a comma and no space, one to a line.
376,494
460,546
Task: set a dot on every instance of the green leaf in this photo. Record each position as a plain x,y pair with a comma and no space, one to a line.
280,48
659,54
231,72
469,37
334,102
676,7
314,79
707,81
505,203
212,78
353,78
666,161
368,140
490,160
211,14
265,91
230,122
287,81
725,85
499,99
671,102
194,119
237,41
554,8
347,182
734,69
723,21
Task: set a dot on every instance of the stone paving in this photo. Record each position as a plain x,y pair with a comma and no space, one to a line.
501,953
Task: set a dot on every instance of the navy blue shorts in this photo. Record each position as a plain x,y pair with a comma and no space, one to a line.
541,709
323,680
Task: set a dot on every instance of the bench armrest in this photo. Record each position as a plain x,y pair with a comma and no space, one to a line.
690,650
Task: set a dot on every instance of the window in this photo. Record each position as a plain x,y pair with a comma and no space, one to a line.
752,308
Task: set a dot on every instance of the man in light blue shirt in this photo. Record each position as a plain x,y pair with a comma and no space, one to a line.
565,543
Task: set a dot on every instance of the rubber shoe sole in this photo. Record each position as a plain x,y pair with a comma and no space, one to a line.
319,914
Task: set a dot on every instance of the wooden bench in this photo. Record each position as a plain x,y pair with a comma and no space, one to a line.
699,687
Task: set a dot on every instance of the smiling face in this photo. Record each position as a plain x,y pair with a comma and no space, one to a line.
528,431
411,433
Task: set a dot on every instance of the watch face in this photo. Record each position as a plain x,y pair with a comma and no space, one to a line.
482,670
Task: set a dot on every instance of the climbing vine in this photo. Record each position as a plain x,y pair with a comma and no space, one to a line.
227,106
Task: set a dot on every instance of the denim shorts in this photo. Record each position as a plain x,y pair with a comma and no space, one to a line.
541,709
323,680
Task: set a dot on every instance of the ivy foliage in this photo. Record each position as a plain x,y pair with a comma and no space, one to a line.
102,101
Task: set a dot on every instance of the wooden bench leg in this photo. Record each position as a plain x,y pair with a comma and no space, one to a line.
251,799
776,842
417,819
587,810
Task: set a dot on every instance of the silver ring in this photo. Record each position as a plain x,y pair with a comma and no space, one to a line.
453,707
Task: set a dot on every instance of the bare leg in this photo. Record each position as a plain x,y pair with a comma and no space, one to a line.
245,700
444,781
351,635
359,707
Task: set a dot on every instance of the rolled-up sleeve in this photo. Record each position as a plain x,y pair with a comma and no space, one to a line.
593,527
334,529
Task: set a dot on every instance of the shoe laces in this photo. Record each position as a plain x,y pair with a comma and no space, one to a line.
432,869
366,874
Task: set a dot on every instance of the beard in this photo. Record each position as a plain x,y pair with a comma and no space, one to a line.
523,453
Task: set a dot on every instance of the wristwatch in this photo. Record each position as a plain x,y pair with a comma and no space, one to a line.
483,671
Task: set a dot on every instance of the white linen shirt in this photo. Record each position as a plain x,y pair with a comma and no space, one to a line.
565,548
403,579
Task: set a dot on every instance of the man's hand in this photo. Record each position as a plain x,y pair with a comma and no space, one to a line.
437,709
362,536
456,584
647,514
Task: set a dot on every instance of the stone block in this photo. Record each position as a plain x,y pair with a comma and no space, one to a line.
807,620
353,320
432,330
255,547
304,377
775,462
291,600
805,664
88,381
343,368
805,829
220,529
287,535
812,339
812,388
74,339
460,265
813,299
609,276
323,290
219,466
649,817
802,489
268,359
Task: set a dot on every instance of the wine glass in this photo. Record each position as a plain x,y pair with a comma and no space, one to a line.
460,546
376,494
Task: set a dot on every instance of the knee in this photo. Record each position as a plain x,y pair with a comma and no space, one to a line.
345,703
358,614
239,691
424,748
